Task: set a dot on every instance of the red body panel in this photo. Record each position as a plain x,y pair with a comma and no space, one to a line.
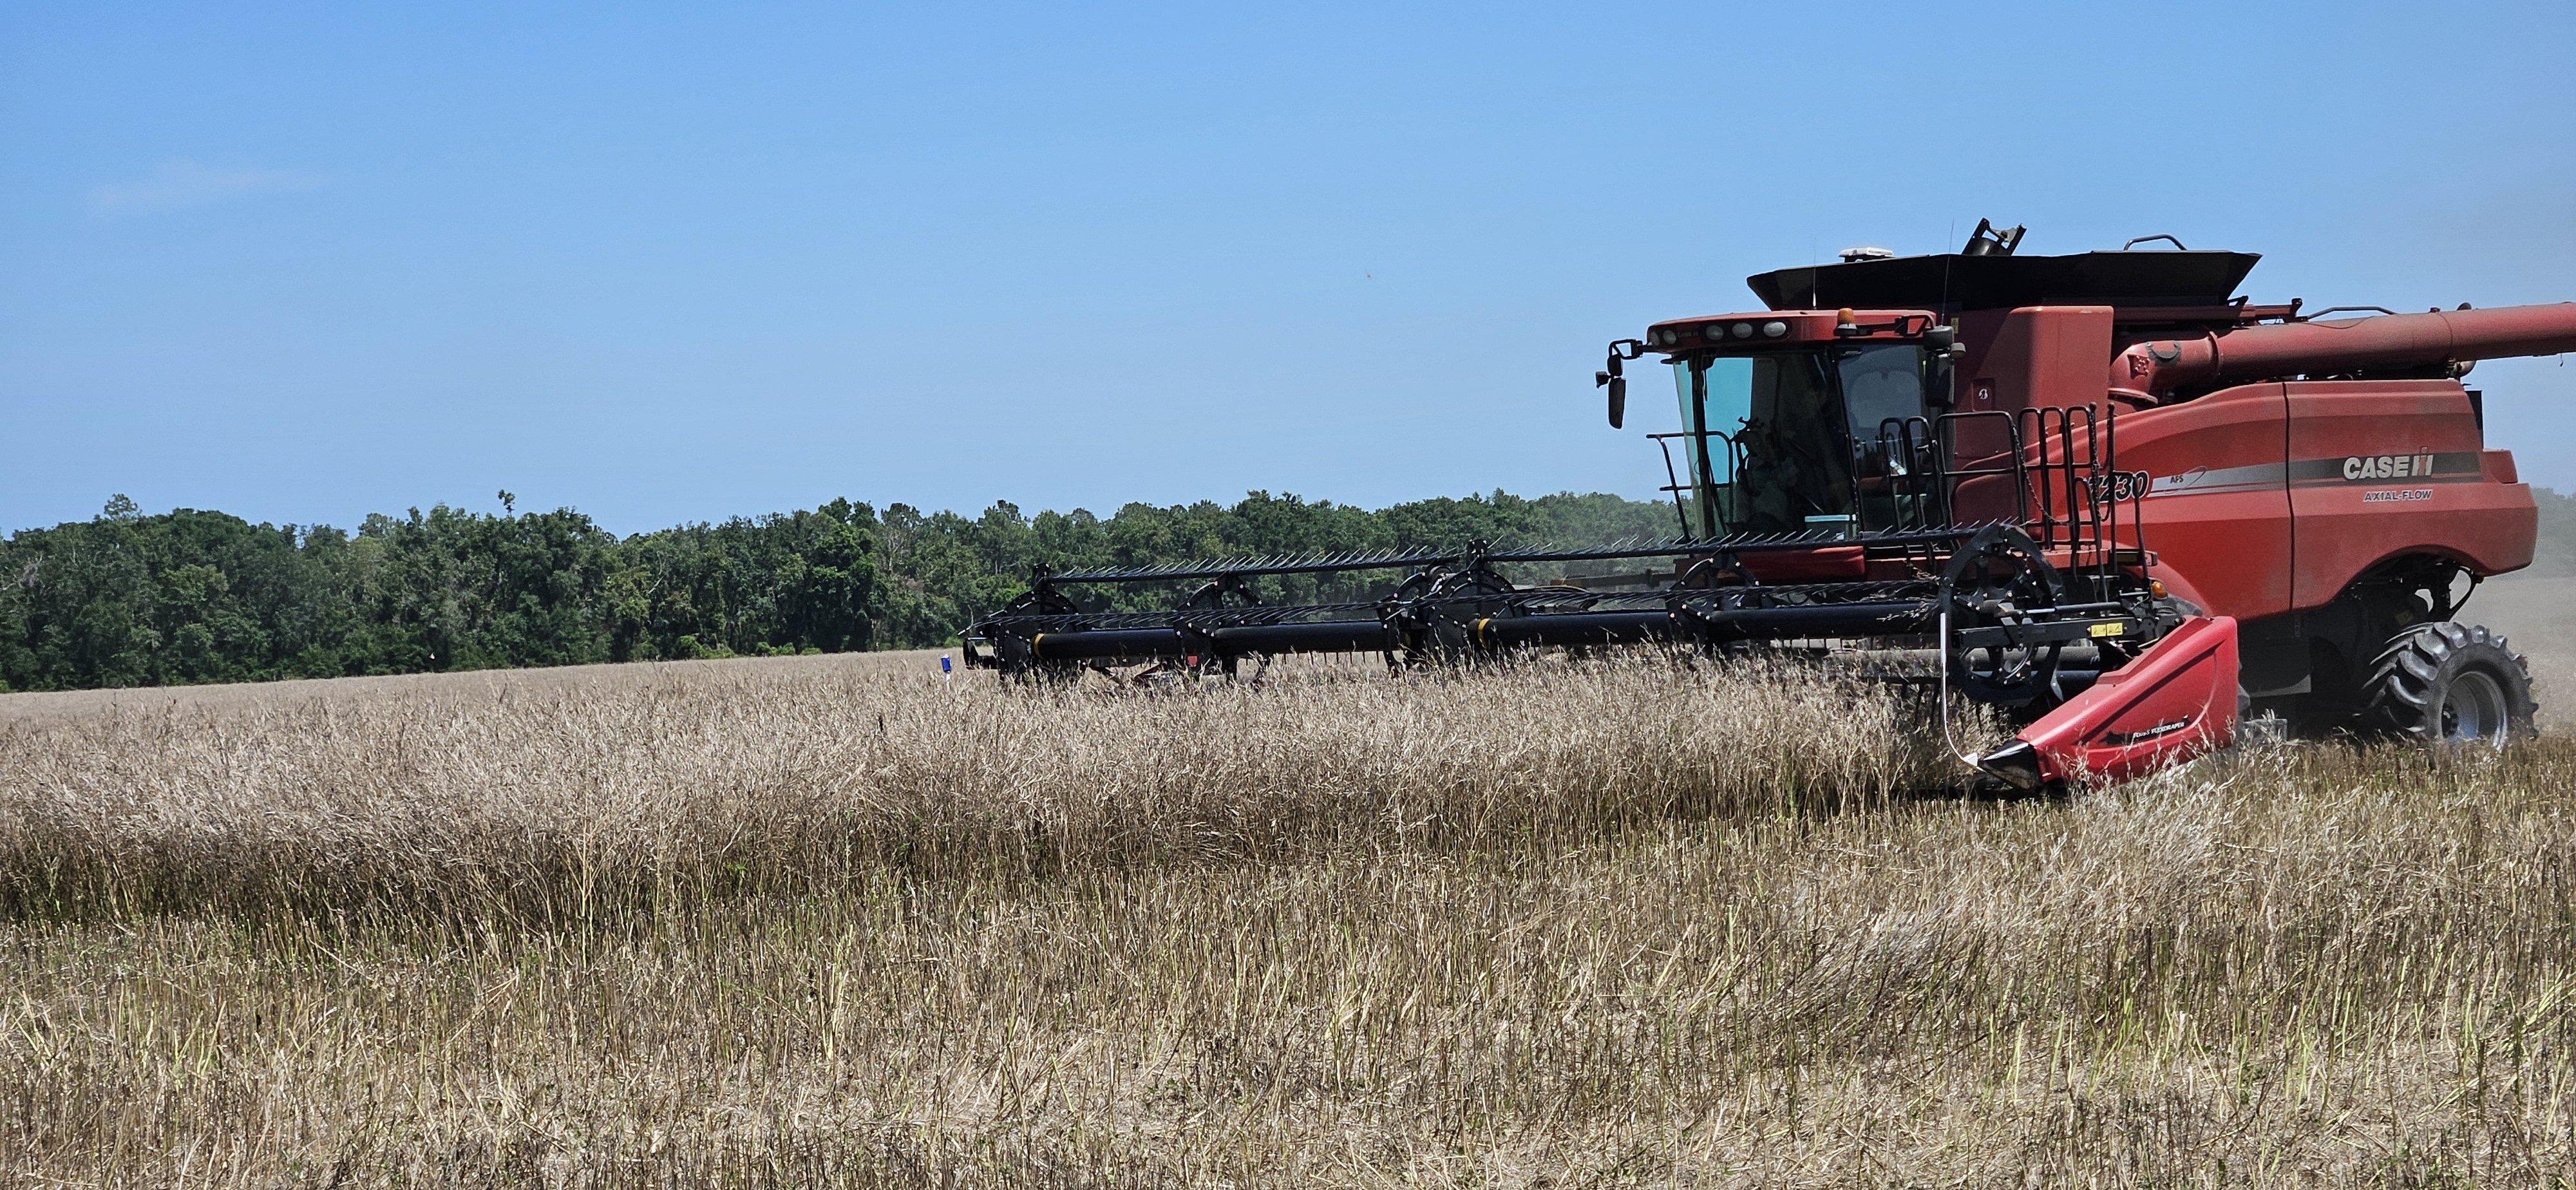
2217,509
2372,469
2431,496
2034,356
2177,700
2269,498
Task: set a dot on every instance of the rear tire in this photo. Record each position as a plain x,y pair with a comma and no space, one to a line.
2450,683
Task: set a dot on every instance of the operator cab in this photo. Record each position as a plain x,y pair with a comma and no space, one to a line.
1797,421
1817,413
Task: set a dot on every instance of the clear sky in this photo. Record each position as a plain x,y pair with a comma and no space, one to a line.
671,264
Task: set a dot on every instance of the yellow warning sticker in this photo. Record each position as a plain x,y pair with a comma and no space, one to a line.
2109,628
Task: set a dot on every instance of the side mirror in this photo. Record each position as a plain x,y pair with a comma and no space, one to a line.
1618,386
1940,382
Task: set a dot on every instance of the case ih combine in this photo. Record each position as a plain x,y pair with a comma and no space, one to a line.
2098,491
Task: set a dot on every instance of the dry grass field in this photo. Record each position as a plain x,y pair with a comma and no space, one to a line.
830,920
2539,616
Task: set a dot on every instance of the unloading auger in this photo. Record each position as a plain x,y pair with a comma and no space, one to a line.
2096,491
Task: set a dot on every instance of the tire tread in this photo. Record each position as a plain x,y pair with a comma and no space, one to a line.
2405,674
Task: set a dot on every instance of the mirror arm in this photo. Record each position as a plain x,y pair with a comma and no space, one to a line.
1611,377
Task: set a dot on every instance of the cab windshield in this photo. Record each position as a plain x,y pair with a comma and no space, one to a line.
1789,442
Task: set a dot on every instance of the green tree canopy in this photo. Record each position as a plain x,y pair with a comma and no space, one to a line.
128,599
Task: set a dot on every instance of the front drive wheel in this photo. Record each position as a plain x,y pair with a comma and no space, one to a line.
2450,683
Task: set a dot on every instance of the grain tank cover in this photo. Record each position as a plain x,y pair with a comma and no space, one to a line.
1953,282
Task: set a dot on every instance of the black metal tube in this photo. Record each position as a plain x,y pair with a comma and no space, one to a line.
1327,636
1114,642
1573,628
1324,636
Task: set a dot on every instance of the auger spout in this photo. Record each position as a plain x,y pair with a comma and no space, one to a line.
2346,345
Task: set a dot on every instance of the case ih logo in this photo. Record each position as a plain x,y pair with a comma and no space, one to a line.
2387,466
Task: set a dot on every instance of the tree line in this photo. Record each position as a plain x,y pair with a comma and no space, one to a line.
187,596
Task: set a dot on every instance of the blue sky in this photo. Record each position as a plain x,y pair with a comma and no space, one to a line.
671,264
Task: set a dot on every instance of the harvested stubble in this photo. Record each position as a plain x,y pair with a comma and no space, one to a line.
1546,926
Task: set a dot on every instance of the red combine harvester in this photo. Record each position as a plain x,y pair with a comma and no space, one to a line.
2097,490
